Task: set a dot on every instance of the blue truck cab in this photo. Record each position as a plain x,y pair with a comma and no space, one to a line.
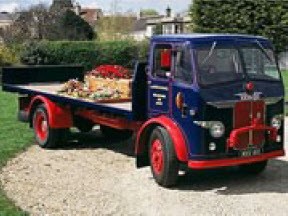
225,95
202,101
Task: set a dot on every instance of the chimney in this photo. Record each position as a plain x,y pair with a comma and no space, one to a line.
168,12
78,9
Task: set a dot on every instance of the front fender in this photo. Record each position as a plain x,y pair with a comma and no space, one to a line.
174,131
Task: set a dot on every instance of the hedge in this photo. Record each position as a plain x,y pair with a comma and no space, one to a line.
88,54
7,56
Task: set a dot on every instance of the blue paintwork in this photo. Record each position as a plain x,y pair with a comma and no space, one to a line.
197,97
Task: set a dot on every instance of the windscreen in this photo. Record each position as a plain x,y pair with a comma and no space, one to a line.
218,64
260,63
221,63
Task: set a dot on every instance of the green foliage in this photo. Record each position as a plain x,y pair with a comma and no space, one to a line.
7,56
11,143
143,50
149,12
116,27
40,23
285,80
88,54
256,17
73,27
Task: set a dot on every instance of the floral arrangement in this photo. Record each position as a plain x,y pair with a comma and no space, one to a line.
111,72
77,89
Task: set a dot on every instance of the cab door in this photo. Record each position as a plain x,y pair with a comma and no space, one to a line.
185,96
159,79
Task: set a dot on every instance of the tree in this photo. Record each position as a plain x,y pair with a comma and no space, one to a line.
115,27
73,27
257,17
40,23
149,12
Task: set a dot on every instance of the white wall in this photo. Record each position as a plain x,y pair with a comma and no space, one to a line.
139,35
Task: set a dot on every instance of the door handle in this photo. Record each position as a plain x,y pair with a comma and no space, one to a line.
184,110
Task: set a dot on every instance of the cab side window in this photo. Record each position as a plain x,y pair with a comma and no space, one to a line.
162,61
184,69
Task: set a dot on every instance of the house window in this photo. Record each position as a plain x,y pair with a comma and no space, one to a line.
168,29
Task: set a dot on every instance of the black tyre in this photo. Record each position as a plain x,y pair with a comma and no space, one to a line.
115,133
254,168
83,125
163,160
45,136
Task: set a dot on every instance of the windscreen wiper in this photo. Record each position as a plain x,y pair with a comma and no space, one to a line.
264,51
210,53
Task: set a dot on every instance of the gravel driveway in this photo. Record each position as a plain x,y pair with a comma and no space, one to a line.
99,178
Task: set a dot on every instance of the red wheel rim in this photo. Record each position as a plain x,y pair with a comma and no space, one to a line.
41,126
157,156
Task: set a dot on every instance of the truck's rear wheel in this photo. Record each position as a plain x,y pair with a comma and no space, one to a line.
254,168
45,136
163,160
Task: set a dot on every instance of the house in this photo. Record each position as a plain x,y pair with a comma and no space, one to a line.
169,23
6,20
90,15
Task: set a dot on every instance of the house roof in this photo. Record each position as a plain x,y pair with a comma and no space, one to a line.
140,25
5,16
91,15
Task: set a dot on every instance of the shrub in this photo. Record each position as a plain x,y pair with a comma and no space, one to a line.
87,54
7,56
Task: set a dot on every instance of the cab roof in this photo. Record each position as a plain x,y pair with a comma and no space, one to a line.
197,37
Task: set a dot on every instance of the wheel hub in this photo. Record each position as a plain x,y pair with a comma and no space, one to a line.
157,156
41,126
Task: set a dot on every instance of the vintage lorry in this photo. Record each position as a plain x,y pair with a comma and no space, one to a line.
201,101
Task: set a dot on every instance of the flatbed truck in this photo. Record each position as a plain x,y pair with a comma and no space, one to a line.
201,101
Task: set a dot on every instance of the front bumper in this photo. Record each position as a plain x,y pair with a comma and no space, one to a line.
200,164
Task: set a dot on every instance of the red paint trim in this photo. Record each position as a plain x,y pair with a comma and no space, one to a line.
235,135
58,116
174,131
110,121
233,162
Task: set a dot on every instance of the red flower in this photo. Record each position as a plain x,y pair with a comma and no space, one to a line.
111,71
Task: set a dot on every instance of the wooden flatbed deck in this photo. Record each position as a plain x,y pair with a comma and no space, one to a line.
49,90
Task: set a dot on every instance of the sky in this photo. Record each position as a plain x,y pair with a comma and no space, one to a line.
106,5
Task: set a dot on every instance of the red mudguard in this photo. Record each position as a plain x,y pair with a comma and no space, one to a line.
59,116
174,131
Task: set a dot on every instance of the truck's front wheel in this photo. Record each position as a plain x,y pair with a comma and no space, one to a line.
163,159
45,136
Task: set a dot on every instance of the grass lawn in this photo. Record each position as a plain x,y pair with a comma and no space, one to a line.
14,138
285,79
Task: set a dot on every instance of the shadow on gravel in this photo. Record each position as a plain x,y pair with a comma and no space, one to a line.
225,181
229,181
95,140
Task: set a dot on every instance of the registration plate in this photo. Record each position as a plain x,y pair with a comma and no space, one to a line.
250,152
